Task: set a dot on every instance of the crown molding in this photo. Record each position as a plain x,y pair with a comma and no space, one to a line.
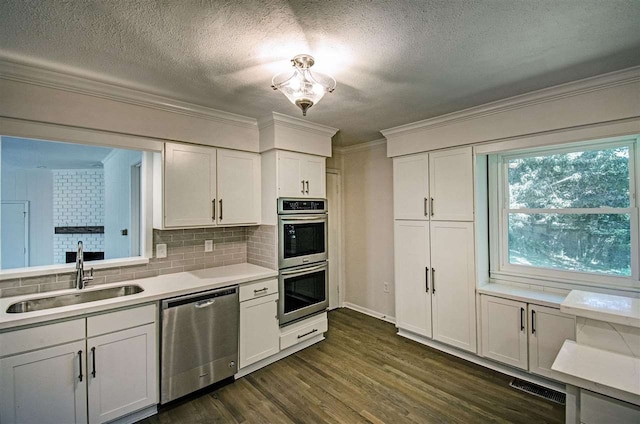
295,123
570,89
360,146
75,84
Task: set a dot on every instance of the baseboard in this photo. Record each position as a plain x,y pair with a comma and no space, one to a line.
369,312
136,416
487,363
282,354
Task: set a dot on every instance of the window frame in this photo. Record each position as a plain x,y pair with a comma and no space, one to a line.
499,211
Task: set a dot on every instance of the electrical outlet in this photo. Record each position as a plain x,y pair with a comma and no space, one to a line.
161,250
208,245
386,287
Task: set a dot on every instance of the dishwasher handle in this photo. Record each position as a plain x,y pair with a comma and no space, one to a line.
201,300
204,303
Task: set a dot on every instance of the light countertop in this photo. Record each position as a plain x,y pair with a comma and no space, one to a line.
521,294
155,288
603,307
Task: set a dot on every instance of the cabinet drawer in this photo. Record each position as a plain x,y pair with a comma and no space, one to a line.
121,320
259,289
302,331
18,341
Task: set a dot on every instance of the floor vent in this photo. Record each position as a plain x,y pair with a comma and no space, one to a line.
539,391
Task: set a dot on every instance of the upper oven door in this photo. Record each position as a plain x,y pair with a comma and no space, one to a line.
302,239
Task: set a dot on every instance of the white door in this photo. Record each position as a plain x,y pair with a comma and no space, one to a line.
453,284
44,386
334,221
189,185
15,234
125,378
291,182
412,289
411,187
238,187
451,185
548,329
504,331
259,329
314,170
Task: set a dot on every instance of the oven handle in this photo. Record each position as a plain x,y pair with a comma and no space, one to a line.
305,218
300,271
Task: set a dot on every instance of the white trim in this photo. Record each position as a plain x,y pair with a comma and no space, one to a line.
361,146
139,96
574,88
135,417
487,363
296,123
369,312
36,271
341,270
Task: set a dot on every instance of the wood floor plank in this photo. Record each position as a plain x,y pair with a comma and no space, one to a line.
365,373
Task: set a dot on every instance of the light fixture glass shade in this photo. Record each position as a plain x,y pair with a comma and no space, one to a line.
301,87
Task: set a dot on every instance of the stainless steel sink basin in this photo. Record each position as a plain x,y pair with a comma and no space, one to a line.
72,299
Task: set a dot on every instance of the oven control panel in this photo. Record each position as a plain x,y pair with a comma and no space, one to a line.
301,205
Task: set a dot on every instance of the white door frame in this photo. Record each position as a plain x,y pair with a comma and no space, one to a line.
26,226
340,243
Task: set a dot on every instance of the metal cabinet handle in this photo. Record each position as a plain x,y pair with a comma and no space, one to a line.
533,322
426,276
521,319
426,212
431,206
80,360
433,280
307,186
93,357
213,210
264,289
315,330
302,186
220,209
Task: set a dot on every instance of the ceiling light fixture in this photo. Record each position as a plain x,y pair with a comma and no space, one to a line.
302,88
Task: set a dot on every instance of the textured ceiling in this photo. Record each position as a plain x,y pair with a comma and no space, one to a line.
31,154
395,61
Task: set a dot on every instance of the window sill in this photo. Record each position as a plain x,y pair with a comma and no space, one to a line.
543,296
37,271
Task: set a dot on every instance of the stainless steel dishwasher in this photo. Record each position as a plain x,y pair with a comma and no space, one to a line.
199,341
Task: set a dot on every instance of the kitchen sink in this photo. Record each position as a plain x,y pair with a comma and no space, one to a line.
72,299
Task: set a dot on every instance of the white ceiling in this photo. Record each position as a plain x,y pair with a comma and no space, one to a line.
395,61
30,154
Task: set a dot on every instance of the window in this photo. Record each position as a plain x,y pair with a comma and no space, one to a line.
568,213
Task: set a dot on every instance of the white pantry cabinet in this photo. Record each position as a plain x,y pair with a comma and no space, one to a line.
526,336
435,283
301,175
197,186
112,373
435,186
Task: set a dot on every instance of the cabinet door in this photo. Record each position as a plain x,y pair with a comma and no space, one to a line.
290,175
413,297
453,284
451,185
125,378
238,187
44,386
315,176
189,185
411,187
548,329
259,329
504,331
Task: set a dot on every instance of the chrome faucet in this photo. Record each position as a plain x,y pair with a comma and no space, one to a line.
81,280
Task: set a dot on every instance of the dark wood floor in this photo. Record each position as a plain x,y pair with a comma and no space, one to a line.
364,373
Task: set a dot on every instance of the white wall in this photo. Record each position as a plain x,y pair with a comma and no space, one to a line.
117,192
368,228
36,186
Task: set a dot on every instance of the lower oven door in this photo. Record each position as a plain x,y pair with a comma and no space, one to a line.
303,291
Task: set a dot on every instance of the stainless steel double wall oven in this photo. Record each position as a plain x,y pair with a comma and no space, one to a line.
302,258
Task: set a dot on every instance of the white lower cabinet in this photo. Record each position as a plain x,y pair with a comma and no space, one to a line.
522,335
259,329
113,373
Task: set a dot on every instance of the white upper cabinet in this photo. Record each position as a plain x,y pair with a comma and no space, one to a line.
411,187
453,284
301,175
504,331
238,187
189,185
436,186
451,185
205,187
